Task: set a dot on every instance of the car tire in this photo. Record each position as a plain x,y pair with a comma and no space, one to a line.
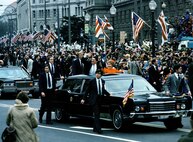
117,119
61,115
171,124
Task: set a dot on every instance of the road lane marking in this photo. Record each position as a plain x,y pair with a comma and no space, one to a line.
139,123
90,134
89,128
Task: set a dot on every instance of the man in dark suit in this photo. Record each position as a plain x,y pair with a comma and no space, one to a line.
36,67
78,65
54,69
176,84
96,91
154,76
47,87
92,66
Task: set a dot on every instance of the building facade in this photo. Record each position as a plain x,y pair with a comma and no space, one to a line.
40,18
8,19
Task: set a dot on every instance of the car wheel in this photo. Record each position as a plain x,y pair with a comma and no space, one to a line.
61,115
172,124
117,119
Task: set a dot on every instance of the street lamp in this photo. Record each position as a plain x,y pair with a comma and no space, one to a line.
152,7
58,30
163,5
113,11
69,24
45,14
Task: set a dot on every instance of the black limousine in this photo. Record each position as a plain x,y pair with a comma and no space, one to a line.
147,104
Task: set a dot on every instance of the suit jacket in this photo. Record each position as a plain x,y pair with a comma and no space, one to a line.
36,69
134,68
43,82
88,67
173,84
154,76
77,68
93,93
56,71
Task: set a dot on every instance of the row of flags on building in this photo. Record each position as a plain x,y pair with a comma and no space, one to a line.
137,25
46,36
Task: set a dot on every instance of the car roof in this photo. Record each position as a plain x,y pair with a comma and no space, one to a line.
9,67
106,76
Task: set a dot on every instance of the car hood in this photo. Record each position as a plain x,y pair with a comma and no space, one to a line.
151,96
144,96
8,79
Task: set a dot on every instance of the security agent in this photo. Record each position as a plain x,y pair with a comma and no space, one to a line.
96,91
47,87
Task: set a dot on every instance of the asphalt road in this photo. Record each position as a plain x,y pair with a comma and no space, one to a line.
80,129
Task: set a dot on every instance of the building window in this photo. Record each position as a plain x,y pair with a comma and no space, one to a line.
34,13
81,11
41,1
34,1
54,12
76,11
48,13
65,12
41,13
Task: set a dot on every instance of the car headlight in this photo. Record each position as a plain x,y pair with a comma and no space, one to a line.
183,106
137,108
8,84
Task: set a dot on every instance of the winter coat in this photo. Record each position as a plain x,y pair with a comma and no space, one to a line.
23,119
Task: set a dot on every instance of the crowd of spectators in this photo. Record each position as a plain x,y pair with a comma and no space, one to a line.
119,60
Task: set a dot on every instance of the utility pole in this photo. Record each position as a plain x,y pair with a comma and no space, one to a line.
45,13
58,30
69,23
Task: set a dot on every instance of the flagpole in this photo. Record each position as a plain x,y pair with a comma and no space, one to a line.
143,21
105,44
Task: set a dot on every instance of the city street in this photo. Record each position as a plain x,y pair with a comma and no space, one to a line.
80,129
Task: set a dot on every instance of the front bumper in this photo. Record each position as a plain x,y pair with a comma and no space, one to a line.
159,115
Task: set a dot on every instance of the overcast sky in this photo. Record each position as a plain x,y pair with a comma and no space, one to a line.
5,3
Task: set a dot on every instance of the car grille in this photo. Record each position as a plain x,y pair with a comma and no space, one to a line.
162,106
24,84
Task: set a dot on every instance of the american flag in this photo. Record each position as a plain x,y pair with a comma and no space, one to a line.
108,25
162,23
37,36
129,93
137,24
50,37
15,38
100,24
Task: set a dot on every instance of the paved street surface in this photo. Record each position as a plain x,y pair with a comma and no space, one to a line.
80,129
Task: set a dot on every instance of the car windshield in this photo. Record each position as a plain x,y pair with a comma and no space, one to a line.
121,85
15,73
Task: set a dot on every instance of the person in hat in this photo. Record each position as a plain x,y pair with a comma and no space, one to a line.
24,120
96,91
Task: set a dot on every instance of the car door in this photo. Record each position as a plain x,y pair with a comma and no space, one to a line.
74,92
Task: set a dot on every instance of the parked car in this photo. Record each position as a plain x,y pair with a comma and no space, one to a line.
14,79
147,105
